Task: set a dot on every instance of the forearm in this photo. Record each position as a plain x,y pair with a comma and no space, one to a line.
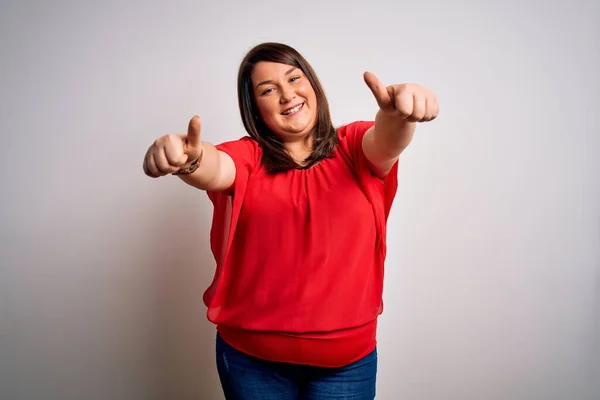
383,143
208,174
391,135
400,107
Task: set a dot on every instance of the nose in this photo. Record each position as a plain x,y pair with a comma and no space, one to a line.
287,95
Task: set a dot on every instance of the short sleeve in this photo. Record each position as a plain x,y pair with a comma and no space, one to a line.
244,153
351,137
227,204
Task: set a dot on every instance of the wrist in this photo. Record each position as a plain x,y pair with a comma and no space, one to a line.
391,120
191,167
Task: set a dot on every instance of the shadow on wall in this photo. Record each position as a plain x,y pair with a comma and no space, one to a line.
182,354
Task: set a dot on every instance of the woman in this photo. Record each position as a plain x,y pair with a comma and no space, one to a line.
299,228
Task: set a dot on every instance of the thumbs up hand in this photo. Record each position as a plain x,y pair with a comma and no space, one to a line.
407,101
170,153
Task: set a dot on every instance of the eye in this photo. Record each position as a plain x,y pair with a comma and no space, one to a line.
294,78
267,91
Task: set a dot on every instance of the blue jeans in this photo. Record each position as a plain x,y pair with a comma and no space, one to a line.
244,377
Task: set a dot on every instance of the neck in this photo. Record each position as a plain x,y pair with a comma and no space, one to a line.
299,150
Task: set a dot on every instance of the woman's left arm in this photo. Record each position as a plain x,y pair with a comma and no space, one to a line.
401,107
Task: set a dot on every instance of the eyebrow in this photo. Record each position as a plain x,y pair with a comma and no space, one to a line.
289,71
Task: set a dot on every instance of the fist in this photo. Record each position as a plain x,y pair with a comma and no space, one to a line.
172,152
408,101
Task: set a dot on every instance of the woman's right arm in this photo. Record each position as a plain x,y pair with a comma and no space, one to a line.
171,153
216,170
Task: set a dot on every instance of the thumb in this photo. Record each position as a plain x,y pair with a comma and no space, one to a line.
384,100
193,136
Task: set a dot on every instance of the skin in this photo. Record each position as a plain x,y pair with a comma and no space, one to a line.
277,88
401,107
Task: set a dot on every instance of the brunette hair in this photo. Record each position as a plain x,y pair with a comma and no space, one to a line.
274,157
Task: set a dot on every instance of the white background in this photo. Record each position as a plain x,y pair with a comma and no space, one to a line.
493,274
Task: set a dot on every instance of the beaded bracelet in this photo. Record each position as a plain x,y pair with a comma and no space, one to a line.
190,169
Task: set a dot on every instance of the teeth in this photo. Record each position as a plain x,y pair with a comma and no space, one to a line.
293,110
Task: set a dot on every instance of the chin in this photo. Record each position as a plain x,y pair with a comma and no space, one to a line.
282,129
297,132
299,128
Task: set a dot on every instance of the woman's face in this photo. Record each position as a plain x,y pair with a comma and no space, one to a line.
286,100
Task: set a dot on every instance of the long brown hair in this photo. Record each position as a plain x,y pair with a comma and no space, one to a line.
275,158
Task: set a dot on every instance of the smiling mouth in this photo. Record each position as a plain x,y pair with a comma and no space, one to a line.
293,110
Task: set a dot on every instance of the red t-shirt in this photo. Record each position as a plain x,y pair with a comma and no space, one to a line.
300,255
